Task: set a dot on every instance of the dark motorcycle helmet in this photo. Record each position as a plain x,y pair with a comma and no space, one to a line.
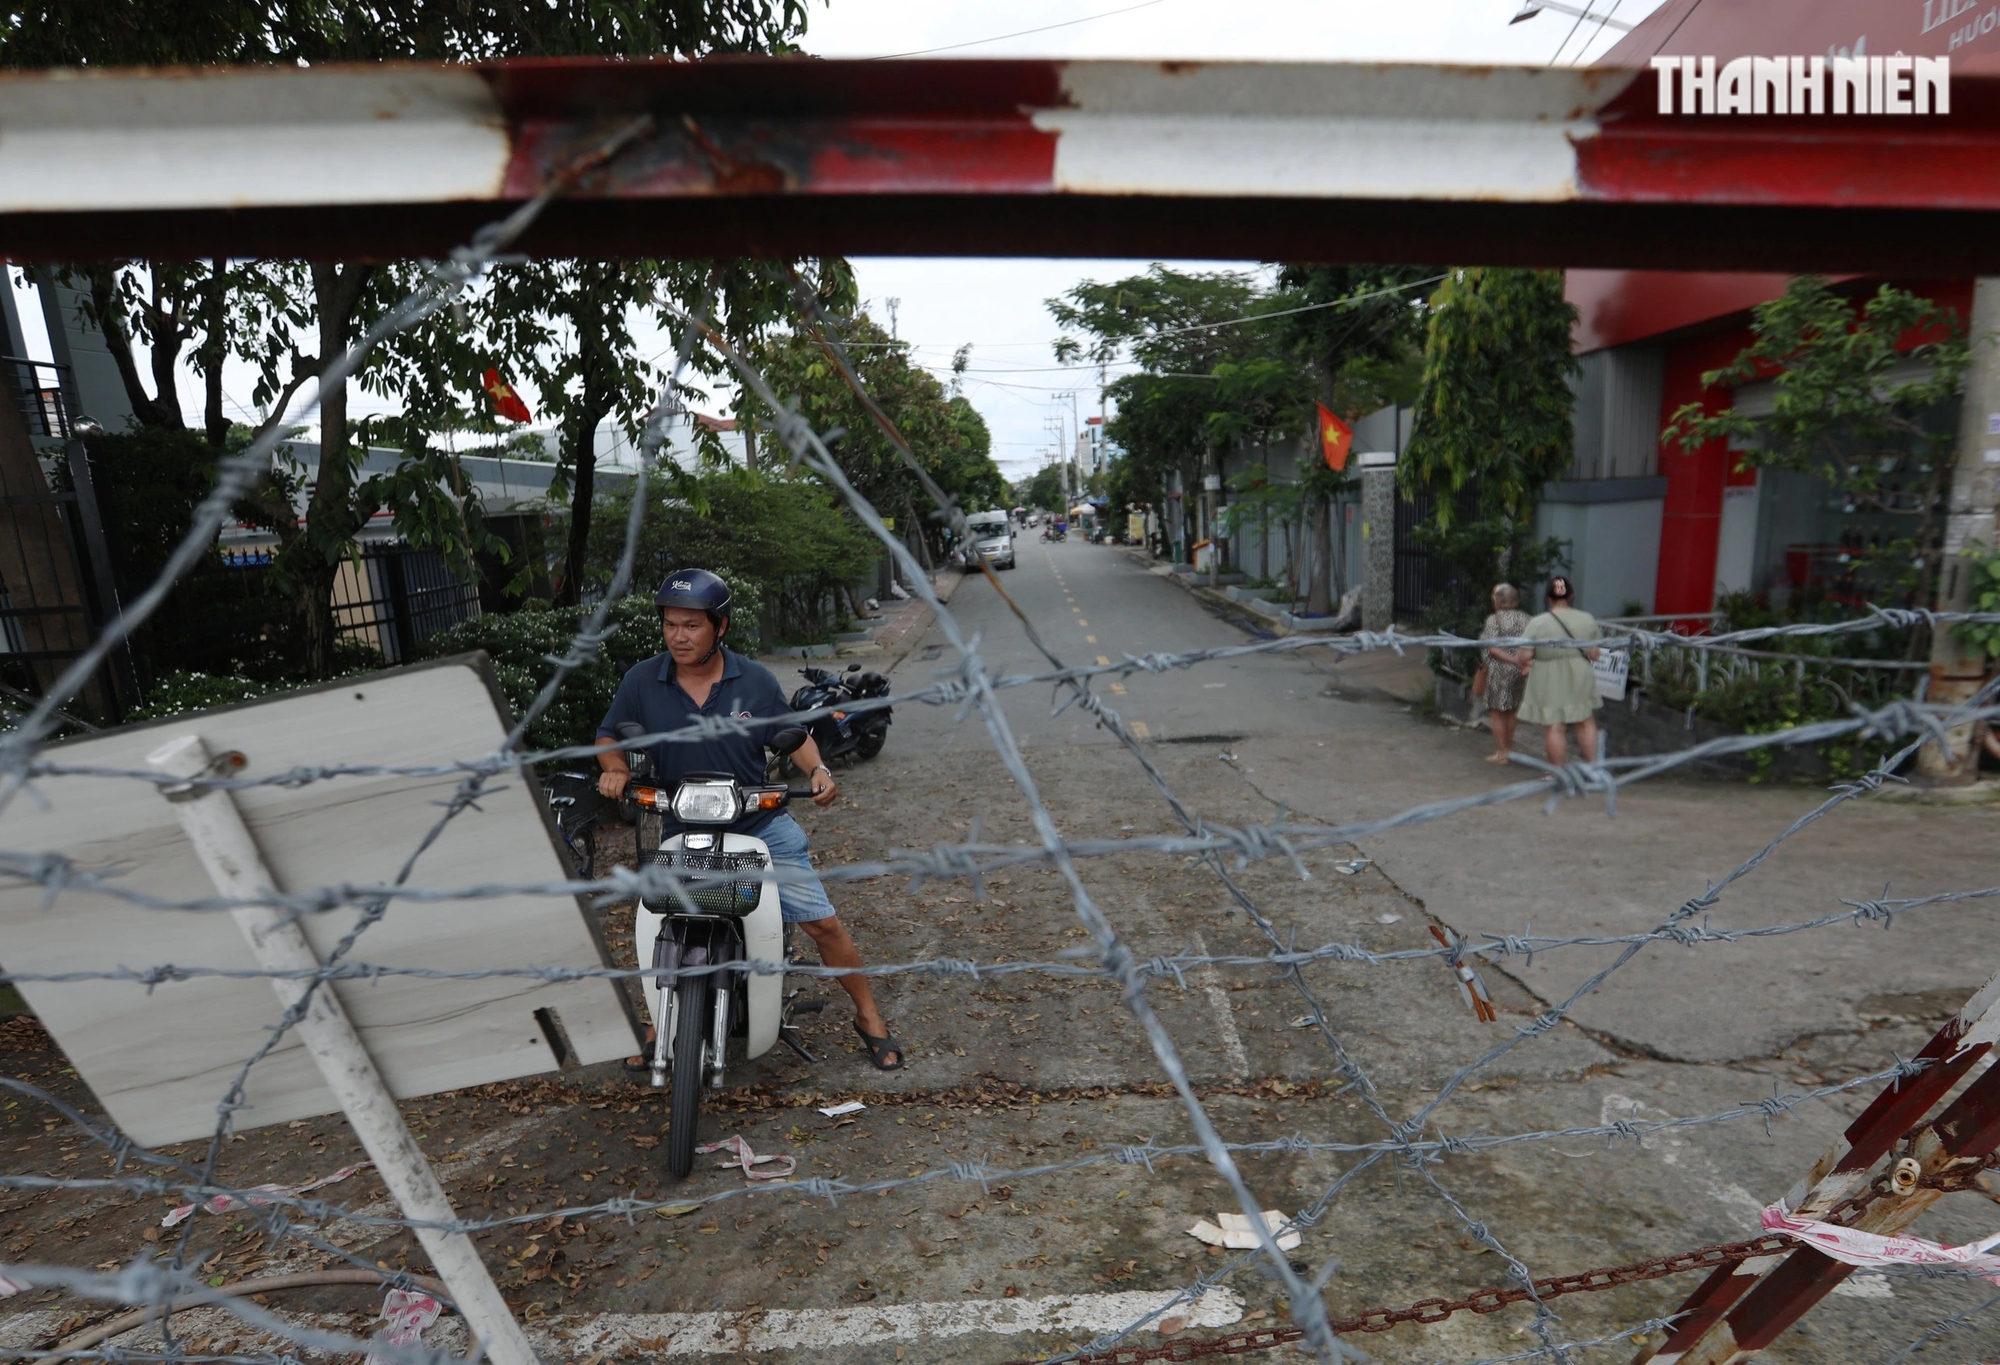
695,590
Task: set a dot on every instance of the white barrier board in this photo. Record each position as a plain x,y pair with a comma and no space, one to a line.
160,1060
1613,669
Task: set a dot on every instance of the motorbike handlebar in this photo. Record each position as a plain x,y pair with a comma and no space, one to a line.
754,798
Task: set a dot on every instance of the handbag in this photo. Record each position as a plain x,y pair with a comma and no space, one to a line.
1479,682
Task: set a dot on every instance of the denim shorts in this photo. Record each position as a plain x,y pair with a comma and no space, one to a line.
801,901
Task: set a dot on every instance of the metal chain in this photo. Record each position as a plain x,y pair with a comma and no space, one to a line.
1429,1311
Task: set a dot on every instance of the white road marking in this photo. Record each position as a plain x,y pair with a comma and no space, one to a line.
782,1329
652,1335
1225,1016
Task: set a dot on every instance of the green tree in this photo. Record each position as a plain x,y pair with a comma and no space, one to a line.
1179,327
311,313
781,532
1493,416
1044,489
944,432
1863,399
1492,428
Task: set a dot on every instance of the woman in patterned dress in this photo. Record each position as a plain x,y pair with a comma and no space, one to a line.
1504,674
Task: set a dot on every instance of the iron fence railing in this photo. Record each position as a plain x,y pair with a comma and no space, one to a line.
391,596
38,387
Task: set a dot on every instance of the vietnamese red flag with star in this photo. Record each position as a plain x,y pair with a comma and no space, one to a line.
1336,438
505,401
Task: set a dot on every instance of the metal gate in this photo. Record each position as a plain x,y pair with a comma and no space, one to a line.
50,604
1423,579
392,596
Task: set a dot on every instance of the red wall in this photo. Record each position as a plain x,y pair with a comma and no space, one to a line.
1691,526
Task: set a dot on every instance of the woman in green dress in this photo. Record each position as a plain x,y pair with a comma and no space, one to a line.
1562,689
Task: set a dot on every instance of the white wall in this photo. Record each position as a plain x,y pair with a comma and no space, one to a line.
1614,545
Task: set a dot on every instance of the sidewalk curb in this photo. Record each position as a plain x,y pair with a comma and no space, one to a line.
945,587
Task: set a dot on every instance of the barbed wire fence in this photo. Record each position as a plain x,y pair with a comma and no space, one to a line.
1413,1143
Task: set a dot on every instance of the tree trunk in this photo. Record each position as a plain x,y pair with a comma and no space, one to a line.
214,351
1319,600
1264,523
595,407
331,518
164,411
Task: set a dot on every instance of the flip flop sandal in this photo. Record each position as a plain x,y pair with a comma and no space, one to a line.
880,1047
640,1063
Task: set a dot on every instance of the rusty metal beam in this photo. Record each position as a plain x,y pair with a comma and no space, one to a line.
782,156
1741,1309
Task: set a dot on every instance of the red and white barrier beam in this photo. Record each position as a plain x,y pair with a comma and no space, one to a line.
792,155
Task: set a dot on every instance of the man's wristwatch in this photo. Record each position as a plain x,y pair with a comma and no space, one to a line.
822,768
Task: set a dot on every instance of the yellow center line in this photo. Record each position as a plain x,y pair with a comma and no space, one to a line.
1139,730
1119,688
1090,639
1103,662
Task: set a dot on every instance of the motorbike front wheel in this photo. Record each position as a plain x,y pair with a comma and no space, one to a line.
691,1020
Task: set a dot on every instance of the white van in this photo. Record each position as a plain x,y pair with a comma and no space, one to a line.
990,535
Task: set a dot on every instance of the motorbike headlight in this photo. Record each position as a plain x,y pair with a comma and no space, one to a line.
706,803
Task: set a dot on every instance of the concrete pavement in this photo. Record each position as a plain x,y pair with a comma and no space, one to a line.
998,1252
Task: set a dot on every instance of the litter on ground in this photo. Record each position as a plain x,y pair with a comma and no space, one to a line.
741,1157
1236,1231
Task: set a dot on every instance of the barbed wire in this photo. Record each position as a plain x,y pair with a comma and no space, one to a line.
1414,1143
948,861
1164,967
955,691
1420,1151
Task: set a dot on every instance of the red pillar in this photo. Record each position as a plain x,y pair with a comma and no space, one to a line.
1691,526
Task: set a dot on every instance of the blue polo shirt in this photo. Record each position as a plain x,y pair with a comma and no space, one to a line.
650,696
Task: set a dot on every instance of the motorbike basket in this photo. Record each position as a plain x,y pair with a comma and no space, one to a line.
712,898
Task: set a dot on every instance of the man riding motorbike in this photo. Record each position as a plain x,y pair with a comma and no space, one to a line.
697,677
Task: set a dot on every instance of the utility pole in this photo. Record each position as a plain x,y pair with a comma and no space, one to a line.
1957,670
1074,481
1054,426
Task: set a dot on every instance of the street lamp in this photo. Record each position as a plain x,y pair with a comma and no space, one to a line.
1530,8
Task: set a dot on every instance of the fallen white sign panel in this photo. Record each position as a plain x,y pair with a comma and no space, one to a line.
160,1059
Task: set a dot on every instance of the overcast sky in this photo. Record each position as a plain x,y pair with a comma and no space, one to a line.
997,305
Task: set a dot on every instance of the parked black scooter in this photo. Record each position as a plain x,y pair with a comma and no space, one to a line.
840,735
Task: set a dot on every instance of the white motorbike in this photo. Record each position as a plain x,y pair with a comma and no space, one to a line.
724,918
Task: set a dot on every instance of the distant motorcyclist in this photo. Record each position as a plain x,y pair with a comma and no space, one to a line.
696,677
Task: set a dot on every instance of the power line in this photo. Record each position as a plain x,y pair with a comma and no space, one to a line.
1018,33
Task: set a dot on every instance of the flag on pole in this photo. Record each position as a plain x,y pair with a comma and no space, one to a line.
1336,438
508,403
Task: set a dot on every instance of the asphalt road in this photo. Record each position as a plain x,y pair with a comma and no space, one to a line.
985,1261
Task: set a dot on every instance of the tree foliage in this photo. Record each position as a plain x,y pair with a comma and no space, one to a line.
1863,399
1044,489
944,432
780,533
1493,416
567,323
1227,362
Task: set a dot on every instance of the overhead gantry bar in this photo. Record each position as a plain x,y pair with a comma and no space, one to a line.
789,156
